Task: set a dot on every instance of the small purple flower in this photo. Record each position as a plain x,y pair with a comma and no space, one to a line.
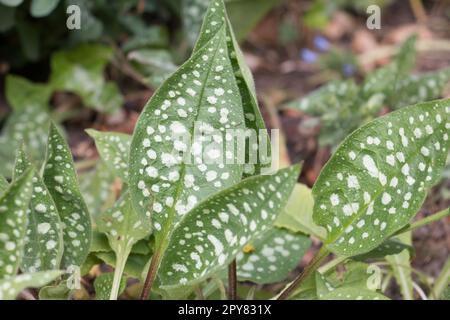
308,55
348,69
321,43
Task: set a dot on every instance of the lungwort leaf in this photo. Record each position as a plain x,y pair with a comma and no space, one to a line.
42,8
13,223
253,120
378,178
3,184
270,257
214,232
44,241
61,180
170,165
114,149
11,287
351,293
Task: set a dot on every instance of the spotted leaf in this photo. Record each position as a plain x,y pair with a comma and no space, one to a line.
214,232
3,184
44,241
61,181
389,247
103,284
258,161
114,149
13,223
423,87
270,257
11,287
171,168
378,178
97,189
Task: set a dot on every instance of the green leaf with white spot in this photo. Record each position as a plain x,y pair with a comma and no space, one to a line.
297,214
215,15
423,87
11,287
44,241
124,227
214,232
13,223
114,149
61,180
97,189
379,176
171,168
350,293
3,184
270,257
389,247
28,122
103,284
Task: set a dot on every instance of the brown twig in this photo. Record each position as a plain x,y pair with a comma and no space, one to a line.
232,281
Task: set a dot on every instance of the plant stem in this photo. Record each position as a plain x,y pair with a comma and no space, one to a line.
309,269
424,221
442,281
151,274
232,281
121,260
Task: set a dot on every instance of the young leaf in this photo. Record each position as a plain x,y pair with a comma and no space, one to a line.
103,284
270,257
378,178
124,227
158,173
297,214
44,241
11,287
13,223
113,148
61,180
212,233
58,291
3,184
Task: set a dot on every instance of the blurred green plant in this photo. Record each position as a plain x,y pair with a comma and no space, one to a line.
341,106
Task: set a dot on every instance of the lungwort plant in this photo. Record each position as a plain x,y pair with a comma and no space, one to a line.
200,203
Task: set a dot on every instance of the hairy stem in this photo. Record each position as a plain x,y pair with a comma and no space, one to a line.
232,280
307,272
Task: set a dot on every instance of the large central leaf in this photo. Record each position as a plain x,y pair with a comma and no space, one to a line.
378,178
202,96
